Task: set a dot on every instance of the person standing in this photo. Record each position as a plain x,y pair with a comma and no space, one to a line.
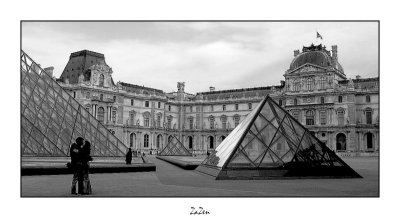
128,157
85,158
76,164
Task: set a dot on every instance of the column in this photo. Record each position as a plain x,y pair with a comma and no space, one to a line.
93,110
362,148
106,115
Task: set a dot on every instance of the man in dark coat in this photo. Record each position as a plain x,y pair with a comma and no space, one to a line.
76,164
128,157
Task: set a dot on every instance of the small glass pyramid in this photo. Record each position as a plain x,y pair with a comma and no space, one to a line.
51,119
174,148
271,144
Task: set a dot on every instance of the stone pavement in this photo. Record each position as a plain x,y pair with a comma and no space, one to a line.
172,181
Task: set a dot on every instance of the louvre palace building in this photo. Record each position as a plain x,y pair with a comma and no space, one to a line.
341,112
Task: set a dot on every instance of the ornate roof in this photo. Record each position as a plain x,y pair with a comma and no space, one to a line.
317,55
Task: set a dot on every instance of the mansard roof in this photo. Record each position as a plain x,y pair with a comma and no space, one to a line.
79,62
139,89
238,93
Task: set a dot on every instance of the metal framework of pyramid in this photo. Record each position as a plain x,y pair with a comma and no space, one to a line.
51,119
270,144
174,148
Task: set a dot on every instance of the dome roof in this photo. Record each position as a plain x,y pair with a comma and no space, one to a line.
319,58
316,55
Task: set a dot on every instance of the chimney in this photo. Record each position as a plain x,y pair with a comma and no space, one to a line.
49,71
296,52
212,89
334,52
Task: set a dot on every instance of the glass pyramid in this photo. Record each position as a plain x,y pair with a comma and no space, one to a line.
51,119
271,144
174,148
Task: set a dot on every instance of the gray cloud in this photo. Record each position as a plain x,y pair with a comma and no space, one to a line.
222,54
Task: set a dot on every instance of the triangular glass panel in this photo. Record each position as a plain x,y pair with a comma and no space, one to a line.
174,147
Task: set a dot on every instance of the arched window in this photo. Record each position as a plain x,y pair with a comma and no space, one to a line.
146,117
100,114
223,121
280,102
190,122
190,139
169,119
368,115
236,106
132,139
223,107
211,142
296,86
340,114
250,106
101,80
101,97
132,117
310,117
114,98
340,142
323,82
322,117
74,94
322,100
212,119
114,114
340,99
170,138
296,115
159,120
222,138
131,102
146,140
367,98
236,118
309,84
368,138
159,140
295,101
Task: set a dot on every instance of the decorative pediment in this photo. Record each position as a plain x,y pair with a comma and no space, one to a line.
307,68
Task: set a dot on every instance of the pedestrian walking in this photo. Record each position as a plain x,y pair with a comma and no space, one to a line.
128,157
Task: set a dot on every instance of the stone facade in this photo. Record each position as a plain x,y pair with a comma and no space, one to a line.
342,112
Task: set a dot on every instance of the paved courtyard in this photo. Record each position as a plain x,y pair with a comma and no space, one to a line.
170,181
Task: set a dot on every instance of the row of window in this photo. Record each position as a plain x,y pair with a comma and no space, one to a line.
310,117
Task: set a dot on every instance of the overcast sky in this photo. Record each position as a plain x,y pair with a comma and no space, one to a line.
226,55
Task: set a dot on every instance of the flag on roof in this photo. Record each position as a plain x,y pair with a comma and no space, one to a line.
319,36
